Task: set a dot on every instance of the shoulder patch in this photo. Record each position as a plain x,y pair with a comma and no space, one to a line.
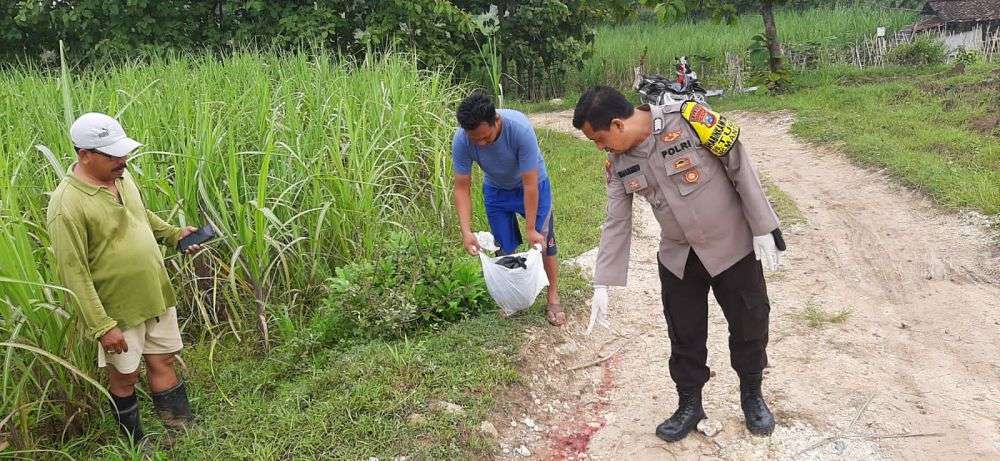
717,133
657,125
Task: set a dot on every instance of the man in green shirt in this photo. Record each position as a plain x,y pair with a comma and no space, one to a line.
106,246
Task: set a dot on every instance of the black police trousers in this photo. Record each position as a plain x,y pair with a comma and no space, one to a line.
742,294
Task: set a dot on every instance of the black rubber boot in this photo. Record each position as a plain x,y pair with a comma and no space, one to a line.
685,419
126,411
759,419
172,407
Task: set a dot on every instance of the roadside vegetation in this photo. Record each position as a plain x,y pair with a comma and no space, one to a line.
821,31
338,317
329,183
934,128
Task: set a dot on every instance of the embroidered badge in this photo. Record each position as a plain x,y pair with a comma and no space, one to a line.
657,124
698,113
632,185
682,163
671,136
691,176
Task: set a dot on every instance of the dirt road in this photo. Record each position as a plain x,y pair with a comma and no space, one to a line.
912,373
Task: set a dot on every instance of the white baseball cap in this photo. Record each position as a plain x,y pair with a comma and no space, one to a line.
101,132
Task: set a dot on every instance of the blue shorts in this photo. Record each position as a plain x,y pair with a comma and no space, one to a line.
502,208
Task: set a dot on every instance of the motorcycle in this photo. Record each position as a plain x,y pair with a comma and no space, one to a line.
659,90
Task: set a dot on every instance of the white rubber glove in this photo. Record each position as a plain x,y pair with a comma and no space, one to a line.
766,251
599,308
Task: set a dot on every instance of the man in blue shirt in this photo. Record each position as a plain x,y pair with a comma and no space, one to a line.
504,145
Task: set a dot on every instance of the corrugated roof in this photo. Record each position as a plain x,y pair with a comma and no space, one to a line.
964,10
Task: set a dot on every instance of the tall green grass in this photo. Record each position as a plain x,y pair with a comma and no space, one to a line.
302,162
618,48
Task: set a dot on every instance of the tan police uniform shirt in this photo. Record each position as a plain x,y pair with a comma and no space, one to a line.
703,189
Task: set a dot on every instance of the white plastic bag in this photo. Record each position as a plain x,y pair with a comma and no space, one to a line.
512,289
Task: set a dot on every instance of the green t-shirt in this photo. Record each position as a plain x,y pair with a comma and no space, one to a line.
107,253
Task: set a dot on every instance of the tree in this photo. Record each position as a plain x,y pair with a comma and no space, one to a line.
775,62
728,11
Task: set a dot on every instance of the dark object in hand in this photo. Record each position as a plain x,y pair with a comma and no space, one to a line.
513,262
779,241
197,237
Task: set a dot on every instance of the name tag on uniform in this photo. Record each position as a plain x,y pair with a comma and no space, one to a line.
630,170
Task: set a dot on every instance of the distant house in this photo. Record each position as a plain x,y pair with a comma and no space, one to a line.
961,23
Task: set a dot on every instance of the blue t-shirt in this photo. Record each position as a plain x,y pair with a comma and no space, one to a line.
503,161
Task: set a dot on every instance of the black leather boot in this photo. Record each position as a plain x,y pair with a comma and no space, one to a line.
172,407
685,419
126,411
759,419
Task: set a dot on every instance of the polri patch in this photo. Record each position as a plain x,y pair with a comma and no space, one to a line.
677,148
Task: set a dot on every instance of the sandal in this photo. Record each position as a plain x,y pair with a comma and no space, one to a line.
555,315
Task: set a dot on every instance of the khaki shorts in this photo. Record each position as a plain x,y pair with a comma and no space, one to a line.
158,335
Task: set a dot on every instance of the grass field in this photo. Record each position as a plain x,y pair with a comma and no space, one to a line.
935,131
617,48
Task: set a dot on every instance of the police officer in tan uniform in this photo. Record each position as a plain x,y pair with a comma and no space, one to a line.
717,228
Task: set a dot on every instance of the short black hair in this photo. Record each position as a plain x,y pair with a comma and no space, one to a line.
475,109
598,106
